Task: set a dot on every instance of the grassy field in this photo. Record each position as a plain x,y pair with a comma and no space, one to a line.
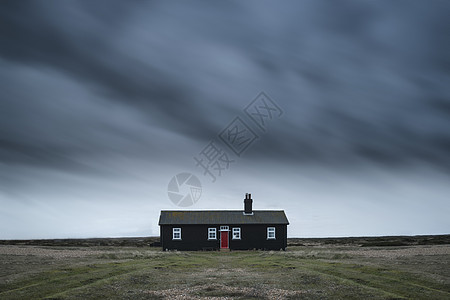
315,269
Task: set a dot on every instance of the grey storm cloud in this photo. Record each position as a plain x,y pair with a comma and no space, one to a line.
357,79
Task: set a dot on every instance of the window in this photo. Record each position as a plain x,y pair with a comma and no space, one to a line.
270,233
224,228
236,233
212,234
176,233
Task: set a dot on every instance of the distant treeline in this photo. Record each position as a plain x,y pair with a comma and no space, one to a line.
128,242
154,241
381,241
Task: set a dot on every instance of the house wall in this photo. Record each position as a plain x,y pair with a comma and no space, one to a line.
195,237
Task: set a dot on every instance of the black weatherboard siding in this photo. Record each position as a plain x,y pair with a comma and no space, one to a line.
253,228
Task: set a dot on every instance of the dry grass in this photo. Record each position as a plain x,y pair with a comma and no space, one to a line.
323,271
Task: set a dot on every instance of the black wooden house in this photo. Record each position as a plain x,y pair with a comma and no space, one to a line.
224,229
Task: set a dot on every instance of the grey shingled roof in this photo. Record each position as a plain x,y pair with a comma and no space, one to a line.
179,217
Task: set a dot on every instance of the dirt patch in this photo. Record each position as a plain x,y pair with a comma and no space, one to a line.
223,292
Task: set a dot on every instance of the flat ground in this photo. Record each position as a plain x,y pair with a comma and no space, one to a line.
311,270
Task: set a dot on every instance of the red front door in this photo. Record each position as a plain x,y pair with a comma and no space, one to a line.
224,239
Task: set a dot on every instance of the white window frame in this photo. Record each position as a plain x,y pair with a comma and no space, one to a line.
224,228
212,231
176,232
271,233
236,230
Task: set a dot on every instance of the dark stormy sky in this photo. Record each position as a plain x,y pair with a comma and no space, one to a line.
103,102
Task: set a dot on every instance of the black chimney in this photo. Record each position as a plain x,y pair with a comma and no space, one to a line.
248,204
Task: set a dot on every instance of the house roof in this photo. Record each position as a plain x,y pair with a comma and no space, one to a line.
179,217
